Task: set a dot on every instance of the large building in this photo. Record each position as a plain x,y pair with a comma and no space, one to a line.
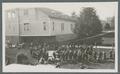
37,24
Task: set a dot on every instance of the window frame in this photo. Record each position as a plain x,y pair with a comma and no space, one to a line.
44,26
53,26
26,12
26,26
72,27
62,26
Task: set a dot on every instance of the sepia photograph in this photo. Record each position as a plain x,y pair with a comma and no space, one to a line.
60,37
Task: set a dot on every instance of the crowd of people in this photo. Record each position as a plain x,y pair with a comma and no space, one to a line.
67,53
82,54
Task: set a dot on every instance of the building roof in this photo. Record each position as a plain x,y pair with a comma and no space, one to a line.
51,13
56,14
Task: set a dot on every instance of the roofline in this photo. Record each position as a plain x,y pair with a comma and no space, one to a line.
73,20
63,19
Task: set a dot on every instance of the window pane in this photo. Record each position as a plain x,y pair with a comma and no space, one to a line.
71,26
25,12
44,23
9,15
26,27
13,14
44,27
62,26
53,26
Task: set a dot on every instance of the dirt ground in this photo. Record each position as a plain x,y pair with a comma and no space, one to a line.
52,68
90,66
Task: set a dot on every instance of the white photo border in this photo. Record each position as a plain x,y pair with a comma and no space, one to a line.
81,70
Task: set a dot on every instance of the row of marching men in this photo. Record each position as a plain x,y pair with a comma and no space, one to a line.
71,54
81,54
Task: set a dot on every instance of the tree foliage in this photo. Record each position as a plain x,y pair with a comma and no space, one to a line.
73,14
88,23
107,26
113,23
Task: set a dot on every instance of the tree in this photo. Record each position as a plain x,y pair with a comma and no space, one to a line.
88,23
73,14
113,23
107,26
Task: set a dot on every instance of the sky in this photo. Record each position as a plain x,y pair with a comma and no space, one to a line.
103,9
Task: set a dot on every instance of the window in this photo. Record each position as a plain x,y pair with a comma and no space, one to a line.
13,28
44,23
37,13
44,27
62,26
26,27
26,12
53,26
13,14
71,26
9,26
9,15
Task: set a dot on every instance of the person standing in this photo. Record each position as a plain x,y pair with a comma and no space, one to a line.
100,57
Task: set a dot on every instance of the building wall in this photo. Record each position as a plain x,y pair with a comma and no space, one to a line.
11,23
56,27
36,23
33,22
38,39
12,39
108,40
65,37
36,20
11,26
